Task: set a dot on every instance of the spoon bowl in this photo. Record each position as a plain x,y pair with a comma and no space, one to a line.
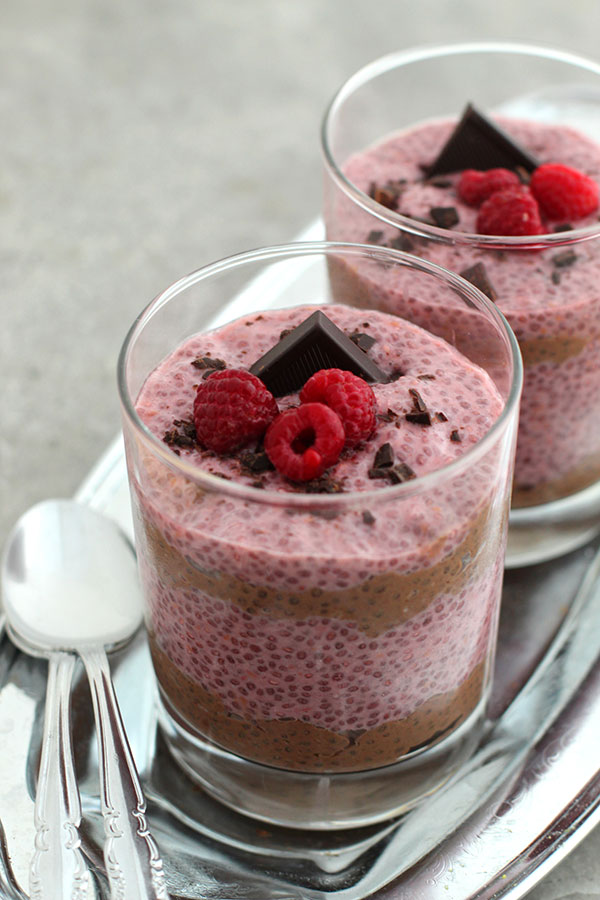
70,580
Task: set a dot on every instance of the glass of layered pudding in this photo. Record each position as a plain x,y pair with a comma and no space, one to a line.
320,498
485,158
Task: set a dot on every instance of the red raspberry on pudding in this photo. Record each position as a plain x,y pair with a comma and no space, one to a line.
564,192
511,212
475,186
347,395
304,441
231,408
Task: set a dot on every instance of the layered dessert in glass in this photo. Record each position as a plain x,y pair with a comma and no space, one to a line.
510,202
320,501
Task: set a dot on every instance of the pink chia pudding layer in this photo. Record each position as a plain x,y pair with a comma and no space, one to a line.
338,624
551,297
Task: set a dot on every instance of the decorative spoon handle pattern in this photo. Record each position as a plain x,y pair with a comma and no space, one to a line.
58,868
133,862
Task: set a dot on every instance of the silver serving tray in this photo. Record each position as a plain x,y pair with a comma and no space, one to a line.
530,793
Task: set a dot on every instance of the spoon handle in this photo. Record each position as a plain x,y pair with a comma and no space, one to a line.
133,862
58,869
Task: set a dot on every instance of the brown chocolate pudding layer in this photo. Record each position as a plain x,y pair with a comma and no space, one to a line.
302,747
375,605
584,475
554,349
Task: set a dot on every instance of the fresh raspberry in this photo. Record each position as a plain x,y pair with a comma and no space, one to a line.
347,395
474,186
512,211
231,408
563,192
304,441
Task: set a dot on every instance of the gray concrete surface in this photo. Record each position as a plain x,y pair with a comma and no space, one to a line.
143,138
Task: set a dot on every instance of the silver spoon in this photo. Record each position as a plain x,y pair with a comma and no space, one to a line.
71,586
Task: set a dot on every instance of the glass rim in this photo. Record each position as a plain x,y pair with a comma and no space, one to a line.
401,58
302,500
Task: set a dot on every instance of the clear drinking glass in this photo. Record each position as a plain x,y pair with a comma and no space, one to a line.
323,659
548,285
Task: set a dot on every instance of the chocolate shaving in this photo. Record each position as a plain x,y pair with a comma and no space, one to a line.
402,242
394,474
316,343
478,143
418,418
384,197
387,194
323,485
256,461
387,416
555,277
455,436
183,434
564,258
401,472
441,417
368,517
384,457
207,362
362,340
444,216
564,227
419,415
478,277
375,236
426,377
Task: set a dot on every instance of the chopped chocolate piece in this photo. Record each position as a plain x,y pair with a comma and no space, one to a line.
426,377
444,216
418,401
418,418
256,461
385,197
207,362
323,485
387,416
402,472
395,375
387,194
564,227
455,436
375,236
555,277
402,242
394,474
384,456
368,517
478,143
284,333
312,345
564,258
377,473
478,277
183,434
441,417
419,415
364,341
